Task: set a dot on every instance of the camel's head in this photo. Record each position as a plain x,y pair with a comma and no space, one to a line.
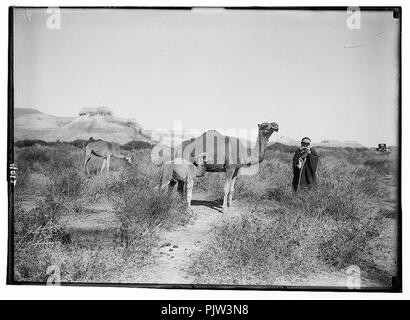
203,158
267,128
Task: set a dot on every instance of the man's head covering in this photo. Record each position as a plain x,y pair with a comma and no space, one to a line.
306,140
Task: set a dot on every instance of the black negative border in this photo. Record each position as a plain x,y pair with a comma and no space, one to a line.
397,281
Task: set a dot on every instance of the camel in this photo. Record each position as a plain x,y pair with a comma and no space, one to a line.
102,149
184,172
227,154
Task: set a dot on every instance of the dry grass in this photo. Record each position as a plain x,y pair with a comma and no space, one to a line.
281,236
55,191
274,237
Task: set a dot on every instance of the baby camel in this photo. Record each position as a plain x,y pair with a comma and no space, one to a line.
184,172
102,149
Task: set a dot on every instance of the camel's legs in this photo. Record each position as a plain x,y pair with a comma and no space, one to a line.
171,186
108,163
166,178
87,158
168,183
227,187
181,188
103,165
232,187
189,187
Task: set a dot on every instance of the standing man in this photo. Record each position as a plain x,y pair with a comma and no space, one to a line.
305,163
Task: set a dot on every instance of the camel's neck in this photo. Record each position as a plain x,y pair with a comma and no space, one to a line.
259,150
119,155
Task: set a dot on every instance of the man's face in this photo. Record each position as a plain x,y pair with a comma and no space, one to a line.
305,144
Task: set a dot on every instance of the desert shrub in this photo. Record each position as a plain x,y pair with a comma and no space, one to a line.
67,183
350,242
354,156
257,249
370,183
331,225
30,155
101,188
29,143
30,224
211,183
36,232
383,166
49,159
131,192
141,208
31,264
278,194
78,143
136,145
23,178
95,264
281,243
38,229
65,157
98,264
63,170
286,158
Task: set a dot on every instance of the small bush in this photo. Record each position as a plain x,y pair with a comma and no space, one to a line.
136,145
350,241
29,143
329,226
34,154
23,179
67,183
383,166
31,264
257,249
141,208
78,143
30,224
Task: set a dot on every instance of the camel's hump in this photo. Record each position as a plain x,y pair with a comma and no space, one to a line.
212,132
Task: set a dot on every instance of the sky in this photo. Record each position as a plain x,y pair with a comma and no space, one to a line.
228,69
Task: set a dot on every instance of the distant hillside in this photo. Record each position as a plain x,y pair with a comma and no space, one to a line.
32,124
339,144
283,140
276,146
99,123
24,111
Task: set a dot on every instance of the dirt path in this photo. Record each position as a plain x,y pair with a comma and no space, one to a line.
179,246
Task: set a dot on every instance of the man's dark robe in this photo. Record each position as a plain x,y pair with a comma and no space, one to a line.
307,175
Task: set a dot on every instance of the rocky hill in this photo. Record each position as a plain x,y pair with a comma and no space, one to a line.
32,124
99,123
